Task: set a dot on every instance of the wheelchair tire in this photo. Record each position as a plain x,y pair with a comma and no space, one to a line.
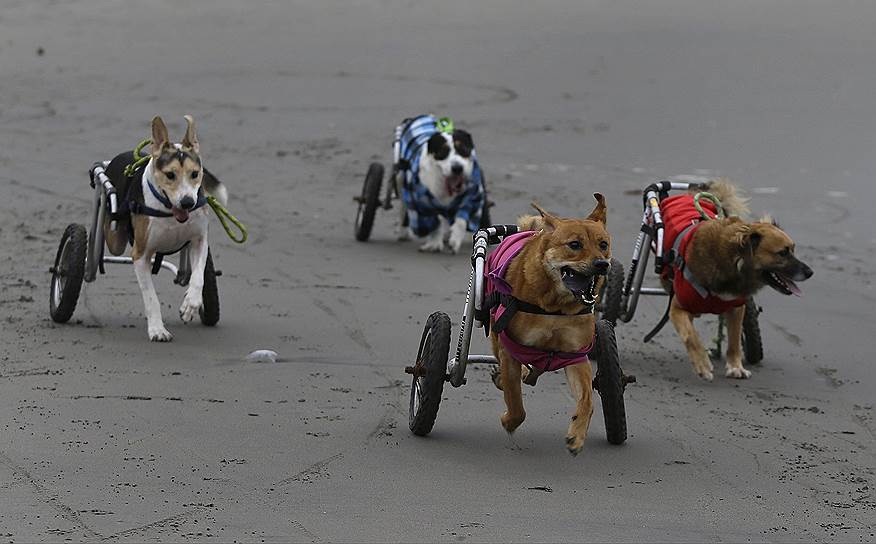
68,272
609,383
431,365
610,301
752,345
209,311
369,201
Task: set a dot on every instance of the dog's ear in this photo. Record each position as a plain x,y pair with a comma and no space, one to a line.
463,142
160,139
747,238
437,146
190,140
598,213
550,220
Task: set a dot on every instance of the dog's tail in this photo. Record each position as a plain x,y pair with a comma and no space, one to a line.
530,222
734,201
214,187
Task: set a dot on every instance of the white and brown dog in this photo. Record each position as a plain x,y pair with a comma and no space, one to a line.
443,188
165,205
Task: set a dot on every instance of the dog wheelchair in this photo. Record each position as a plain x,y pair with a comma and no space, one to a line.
433,366
620,296
370,199
81,256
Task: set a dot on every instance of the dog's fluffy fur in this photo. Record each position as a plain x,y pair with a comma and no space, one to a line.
176,170
535,277
735,258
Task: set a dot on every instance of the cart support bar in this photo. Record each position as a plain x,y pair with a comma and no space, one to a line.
483,359
127,260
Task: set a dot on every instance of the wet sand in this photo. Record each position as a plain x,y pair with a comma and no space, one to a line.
107,436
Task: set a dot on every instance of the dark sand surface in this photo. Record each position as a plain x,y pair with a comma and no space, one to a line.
106,436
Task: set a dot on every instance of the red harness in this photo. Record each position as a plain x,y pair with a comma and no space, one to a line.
682,219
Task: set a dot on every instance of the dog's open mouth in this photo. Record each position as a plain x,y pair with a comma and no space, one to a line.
582,285
454,184
180,214
781,283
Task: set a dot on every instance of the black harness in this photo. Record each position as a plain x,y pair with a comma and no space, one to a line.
135,203
513,305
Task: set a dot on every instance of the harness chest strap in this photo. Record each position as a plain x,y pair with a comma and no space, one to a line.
679,263
138,208
501,305
513,305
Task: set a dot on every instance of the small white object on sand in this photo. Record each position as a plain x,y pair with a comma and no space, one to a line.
262,356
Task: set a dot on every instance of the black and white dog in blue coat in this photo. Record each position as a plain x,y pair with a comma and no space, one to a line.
443,187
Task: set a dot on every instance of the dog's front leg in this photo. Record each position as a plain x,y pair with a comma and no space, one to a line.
435,240
402,233
194,297
154,323
457,234
699,357
509,374
581,383
734,344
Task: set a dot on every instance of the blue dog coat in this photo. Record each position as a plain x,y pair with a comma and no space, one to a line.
424,209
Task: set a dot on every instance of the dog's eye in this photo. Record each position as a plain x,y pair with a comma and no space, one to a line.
603,245
575,244
195,174
170,175
442,153
462,149
785,252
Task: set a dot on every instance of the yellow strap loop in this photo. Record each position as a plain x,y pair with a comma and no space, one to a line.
221,211
224,217
713,199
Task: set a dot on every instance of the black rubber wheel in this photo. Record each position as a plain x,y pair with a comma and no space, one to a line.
610,301
752,345
369,201
67,273
209,311
429,374
609,382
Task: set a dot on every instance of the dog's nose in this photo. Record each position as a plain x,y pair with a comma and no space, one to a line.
807,271
456,169
187,203
601,266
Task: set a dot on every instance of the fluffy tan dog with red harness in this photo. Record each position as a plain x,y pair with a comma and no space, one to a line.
718,263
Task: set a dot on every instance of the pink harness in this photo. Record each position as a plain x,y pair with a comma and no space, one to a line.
494,275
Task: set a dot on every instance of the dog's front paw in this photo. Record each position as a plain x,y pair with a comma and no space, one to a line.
190,307
496,376
159,334
402,234
457,235
738,372
432,246
703,367
511,422
453,244
574,444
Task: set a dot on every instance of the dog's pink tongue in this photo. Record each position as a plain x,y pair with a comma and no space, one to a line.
793,288
180,214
